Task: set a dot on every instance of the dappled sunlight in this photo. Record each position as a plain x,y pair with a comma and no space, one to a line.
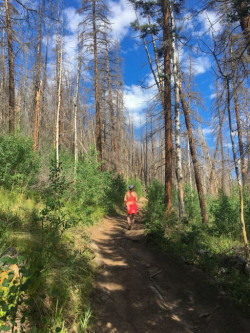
139,289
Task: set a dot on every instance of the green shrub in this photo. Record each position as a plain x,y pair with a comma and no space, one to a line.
18,163
96,191
155,210
224,213
114,193
191,202
137,184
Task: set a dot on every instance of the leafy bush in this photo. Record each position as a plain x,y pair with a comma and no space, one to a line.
155,210
96,190
18,163
137,184
191,202
224,213
115,192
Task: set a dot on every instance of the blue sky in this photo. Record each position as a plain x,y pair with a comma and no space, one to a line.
136,68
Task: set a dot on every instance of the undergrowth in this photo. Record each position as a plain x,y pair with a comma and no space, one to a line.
208,246
43,233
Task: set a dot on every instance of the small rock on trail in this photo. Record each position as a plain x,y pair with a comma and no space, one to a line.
138,289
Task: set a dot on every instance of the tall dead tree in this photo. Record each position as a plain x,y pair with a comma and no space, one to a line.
38,83
194,157
167,106
11,69
179,174
110,100
237,172
59,99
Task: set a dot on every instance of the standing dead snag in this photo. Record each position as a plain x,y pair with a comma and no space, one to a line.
11,70
179,174
59,97
194,157
37,117
237,172
167,106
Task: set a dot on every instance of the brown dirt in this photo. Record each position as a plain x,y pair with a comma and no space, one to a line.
139,289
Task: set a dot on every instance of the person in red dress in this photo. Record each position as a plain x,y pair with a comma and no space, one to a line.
130,200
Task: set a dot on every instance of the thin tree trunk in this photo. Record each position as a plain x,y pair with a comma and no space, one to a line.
11,71
213,183
237,172
4,102
179,174
59,103
37,117
157,62
167,107
189,163
38,84
97,94
111,107
239,130
194,157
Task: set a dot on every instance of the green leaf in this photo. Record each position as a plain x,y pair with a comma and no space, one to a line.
5,307
34,329
13,323
13,289
58,329
25,272
5,328
29,301
5,283
20,259
10,276
8,260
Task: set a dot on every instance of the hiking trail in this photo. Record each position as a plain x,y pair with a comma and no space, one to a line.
139,289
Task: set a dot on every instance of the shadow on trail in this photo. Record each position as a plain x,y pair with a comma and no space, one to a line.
139,289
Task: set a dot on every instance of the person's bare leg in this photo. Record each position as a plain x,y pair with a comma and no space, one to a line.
132,220
129,221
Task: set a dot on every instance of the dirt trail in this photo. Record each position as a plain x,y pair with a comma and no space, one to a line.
139,289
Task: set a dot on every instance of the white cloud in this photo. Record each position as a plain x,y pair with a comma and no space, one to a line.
137,99
72,19
207,131
213,96
210,21
199,64
121,15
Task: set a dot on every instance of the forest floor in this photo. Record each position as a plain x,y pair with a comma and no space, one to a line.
140,289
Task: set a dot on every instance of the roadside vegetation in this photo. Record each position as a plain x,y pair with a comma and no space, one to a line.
46,271
216,247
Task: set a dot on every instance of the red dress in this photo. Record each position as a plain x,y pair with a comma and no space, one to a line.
131,205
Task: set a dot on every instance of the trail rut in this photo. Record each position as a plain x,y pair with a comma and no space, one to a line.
138,289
